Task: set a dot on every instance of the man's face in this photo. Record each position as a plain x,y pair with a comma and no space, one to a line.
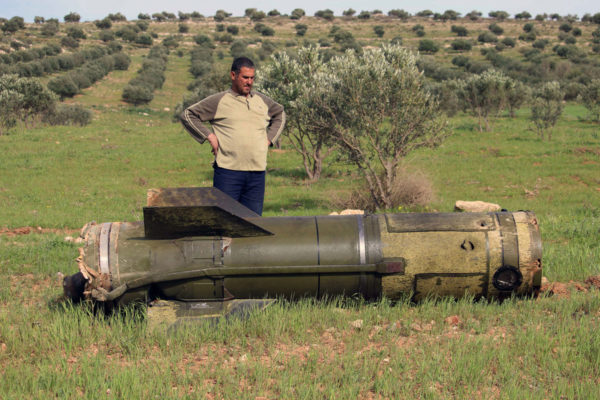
241,82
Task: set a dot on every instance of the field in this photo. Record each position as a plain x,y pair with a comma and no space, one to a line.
53,180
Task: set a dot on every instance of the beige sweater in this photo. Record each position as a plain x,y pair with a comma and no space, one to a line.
243,124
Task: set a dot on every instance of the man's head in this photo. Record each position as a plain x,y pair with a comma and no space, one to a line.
242,75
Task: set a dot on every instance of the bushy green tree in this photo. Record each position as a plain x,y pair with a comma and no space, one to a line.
396,13
428,46
297,13
22,99
459,30
50,27
379,30
301,29
376,109
72,17
590,97
285,79
485,95
546,108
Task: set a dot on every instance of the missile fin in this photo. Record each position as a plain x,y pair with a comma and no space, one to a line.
181,221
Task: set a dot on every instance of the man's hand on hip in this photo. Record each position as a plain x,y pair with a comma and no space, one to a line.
214,142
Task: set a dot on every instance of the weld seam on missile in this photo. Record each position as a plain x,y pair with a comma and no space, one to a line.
104,247
361,240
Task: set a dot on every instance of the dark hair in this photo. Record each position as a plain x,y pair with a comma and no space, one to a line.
240,62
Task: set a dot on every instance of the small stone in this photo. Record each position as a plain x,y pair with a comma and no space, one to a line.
69,239
352,212
452,320
476,206
243,358
358,324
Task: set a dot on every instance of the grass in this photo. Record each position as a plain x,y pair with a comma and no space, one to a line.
59,178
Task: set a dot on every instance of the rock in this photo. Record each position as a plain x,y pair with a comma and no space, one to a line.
69,239
358,324
334,213
476,206
352,212
452,320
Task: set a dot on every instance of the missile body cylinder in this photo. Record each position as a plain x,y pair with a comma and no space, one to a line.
476,254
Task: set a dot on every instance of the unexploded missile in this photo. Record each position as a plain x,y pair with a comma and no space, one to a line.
199,253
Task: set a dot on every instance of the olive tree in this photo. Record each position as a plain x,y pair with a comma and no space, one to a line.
590,97
546,107
376,109
485,95
285,79
22,99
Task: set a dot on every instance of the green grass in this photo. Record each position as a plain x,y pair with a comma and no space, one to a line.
63,177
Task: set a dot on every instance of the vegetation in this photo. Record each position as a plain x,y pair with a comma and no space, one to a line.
59,177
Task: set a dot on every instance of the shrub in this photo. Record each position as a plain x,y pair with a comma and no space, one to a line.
523,15
566,27
143,16
76,32
460,61
301,29
576,31
496,29
487,37
540,44
203,40
325,14
297,13
349,12
459,30
50,28
403,15
397,40
364,15
474,15
528,37
137,94
379,30
590,97
144,39
499,15
546,107
122,61
106,35
142,25
461,45
105,23
72,17
69,42
184,28
64,86
66,114
234,30
428,46
528,27
273,13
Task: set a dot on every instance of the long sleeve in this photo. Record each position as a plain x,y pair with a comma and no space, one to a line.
277,116
194,116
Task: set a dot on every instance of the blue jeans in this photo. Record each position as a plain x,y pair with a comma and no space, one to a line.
246,187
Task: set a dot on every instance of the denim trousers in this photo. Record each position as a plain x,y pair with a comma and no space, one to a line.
247,187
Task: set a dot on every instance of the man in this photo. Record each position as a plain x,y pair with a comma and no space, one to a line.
244,124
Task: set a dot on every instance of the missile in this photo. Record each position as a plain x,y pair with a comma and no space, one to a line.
199,254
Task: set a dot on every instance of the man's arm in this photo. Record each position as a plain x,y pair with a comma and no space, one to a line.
194,116
277,116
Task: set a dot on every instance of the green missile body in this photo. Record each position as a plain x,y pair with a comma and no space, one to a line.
199,253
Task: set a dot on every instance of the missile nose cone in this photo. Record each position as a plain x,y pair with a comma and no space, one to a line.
73,286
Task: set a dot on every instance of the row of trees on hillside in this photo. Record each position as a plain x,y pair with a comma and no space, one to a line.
16,23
